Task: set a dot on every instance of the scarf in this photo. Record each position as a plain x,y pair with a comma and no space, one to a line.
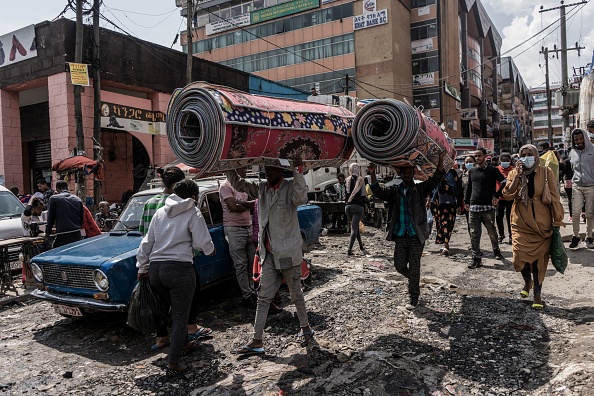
527,171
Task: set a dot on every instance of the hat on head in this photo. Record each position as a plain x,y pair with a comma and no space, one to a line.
590,124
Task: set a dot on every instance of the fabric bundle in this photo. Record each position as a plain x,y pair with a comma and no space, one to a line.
390,132
586,104
215,128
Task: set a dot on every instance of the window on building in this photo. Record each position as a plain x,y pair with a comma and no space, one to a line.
427,101
423,32
425,65
421,3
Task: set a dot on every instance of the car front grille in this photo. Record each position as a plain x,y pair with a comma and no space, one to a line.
66,275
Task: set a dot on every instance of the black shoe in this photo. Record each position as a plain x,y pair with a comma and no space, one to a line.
251,301
350,253
497,254
413,304
575,241
501,238
475,263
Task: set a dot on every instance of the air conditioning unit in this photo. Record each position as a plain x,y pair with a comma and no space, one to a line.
181,3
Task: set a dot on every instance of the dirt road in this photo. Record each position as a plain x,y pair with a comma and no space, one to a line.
471,335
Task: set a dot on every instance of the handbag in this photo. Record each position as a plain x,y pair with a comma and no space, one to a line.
558,254
546,192
446,199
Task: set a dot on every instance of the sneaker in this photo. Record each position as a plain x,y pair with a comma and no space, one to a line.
475,263
584,217
501,238
413,304
589,243
497,254
574,242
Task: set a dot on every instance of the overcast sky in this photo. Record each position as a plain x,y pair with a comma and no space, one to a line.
159,21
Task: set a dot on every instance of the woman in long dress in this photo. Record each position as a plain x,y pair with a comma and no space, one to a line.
532,221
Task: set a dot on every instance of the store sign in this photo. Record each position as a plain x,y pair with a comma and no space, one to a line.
421,45
424,10
369,7
465,142
469,114
424,79
227,24
371,19
131,119
453,92
282,10
17,46
79,74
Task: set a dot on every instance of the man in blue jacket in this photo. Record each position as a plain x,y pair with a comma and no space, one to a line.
407,226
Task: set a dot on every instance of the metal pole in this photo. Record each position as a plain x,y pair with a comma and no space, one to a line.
97,152
564,76
346,85
189,42
548,93
80,137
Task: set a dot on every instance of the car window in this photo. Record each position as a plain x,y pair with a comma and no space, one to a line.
211,208
10,205
130,217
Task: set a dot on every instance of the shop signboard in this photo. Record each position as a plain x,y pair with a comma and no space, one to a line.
468,114
370,19
17,46
421,45
79,74
424,79
227,24
131,119
281,10
453,92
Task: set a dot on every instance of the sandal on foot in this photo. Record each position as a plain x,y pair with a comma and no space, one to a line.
189,348
172,373
155,347
247,350
201,333
525,293
538,307
303,338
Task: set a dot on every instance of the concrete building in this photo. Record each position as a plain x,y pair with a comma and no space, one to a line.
541,123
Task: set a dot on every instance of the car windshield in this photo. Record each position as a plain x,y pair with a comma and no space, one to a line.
130,217
10,205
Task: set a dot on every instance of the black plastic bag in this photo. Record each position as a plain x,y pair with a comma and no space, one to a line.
147,310
558,254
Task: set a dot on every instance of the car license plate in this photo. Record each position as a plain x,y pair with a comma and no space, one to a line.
66,310
379,205
15,265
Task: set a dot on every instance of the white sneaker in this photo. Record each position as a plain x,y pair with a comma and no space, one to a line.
589,243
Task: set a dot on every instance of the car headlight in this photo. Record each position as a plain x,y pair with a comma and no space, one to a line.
37,272
101,280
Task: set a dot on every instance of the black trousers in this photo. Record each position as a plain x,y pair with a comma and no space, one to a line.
65,239
407,260
504,209
532,269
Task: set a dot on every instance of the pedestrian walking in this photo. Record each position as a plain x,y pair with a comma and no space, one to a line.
504,206
444,200
407,225
480,200
237,223
280,245
340,191
581,158
567,174
355,205
165,257
65,212
45,192
533,190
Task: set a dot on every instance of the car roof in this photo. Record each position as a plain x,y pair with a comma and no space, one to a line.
2,188
203,185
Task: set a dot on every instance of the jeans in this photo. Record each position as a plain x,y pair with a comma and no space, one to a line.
175,282
354,213
270,281
66,238
582,196
476,220
240,249
407,261
504,209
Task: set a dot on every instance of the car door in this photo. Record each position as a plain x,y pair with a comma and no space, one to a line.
212,269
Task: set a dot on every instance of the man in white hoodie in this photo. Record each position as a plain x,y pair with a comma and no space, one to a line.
166,257
581,158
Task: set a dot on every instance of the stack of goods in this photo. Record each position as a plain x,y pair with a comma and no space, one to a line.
390,132
215,128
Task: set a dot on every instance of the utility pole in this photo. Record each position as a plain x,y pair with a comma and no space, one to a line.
80,137
545,51
346,85
189,42
96,64
563,50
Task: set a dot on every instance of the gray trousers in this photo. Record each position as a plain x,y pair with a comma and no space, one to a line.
270,281
407,260
240,249
354,213
476,220
175,281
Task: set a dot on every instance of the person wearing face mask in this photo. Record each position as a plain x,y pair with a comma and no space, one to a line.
581,158
532,220
504,206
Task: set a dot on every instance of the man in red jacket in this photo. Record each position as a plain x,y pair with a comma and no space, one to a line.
504,207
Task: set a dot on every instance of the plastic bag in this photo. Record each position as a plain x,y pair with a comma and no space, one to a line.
558,254
429,220
147,310
550,160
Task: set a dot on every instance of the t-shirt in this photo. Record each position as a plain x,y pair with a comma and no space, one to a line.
233,219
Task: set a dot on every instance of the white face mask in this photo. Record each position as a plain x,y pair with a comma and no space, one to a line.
505,164
470,165
528,161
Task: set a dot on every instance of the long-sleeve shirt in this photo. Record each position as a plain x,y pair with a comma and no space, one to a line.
65,212
481,190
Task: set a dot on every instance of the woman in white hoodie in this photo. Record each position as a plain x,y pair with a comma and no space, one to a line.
166,255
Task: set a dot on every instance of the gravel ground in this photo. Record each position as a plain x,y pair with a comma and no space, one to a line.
471,335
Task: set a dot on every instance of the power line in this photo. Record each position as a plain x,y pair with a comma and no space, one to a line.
147,27
141,13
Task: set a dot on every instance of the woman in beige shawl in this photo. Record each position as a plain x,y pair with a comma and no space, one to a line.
532,221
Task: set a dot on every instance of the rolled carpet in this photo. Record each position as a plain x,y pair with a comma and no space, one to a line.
215,128
391,132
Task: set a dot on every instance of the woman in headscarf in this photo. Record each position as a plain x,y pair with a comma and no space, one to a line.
355,205
532,220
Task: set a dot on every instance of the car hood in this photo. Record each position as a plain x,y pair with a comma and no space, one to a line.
11,228
94,251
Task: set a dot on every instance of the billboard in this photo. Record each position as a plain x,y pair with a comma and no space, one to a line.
370,19
227,24
281,10
468,114
17,46
127,118
424,79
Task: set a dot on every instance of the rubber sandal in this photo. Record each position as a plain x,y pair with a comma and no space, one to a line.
526,293
155,348
538,307
201,333
171,373
247,350
304,338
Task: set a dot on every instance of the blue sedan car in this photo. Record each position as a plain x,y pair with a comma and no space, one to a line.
99,274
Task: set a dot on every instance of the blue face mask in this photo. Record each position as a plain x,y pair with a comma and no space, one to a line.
469,166
528,161
505,164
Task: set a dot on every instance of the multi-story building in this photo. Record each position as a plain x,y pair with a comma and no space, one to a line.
541,120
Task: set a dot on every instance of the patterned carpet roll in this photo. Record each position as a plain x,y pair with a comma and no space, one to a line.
215,128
